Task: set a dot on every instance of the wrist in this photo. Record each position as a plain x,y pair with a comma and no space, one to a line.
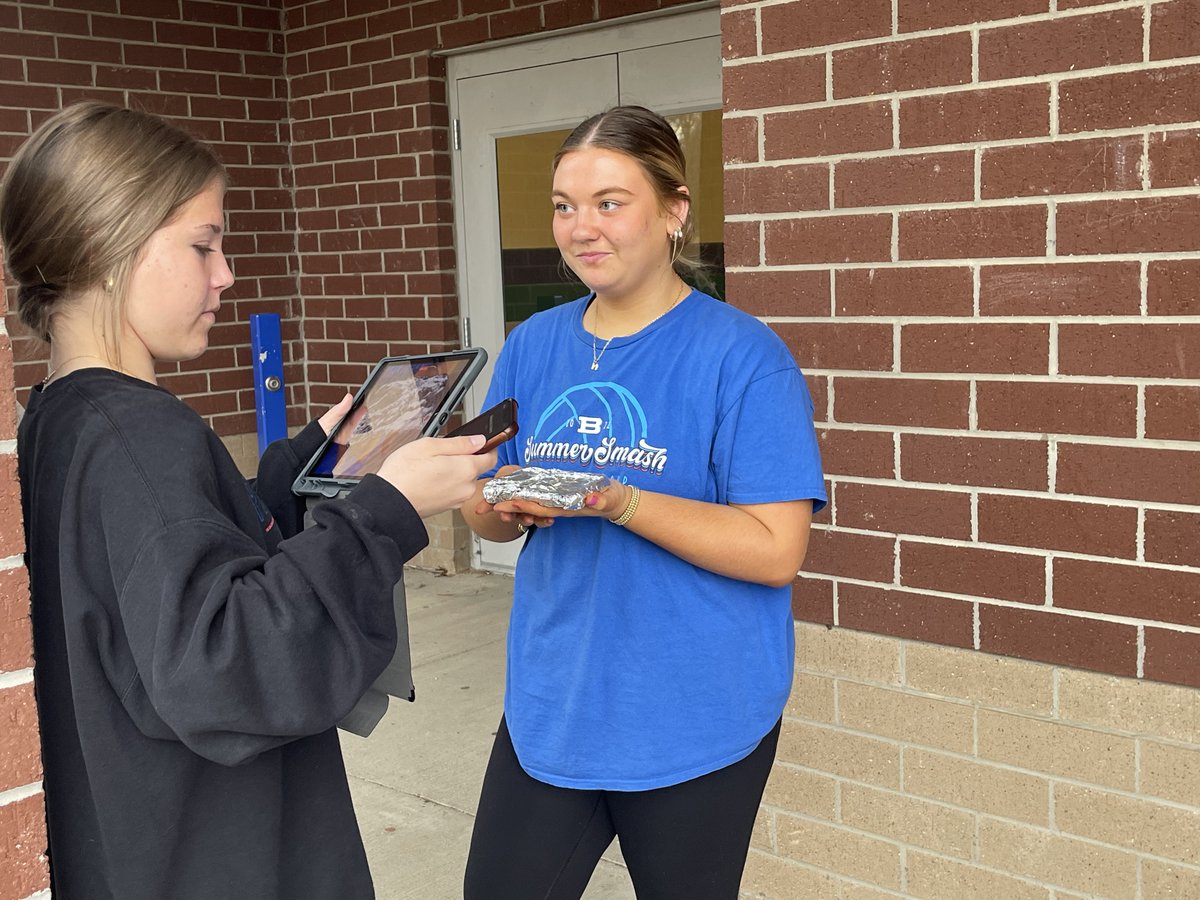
633,497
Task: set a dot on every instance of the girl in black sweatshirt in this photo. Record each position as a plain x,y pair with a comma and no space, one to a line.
193,648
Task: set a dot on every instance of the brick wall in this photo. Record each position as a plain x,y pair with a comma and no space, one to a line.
216,68
978,226
371,150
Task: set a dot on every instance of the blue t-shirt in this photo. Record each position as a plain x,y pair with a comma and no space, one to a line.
628,668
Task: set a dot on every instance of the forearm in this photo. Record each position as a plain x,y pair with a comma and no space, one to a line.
765,544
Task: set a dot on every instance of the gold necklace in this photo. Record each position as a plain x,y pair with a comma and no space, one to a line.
56,369
596,357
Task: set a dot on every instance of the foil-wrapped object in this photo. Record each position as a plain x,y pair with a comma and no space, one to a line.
549,487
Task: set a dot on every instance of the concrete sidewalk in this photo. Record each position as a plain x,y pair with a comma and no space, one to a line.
416,779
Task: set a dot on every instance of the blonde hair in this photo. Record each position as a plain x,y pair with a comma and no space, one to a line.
648,139
81,198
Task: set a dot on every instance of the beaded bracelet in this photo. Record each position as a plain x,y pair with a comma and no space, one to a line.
630,508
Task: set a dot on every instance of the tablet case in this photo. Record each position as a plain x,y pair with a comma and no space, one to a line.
310,484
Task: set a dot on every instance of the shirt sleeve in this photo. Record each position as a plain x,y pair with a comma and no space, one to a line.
277,470
237,652
765,449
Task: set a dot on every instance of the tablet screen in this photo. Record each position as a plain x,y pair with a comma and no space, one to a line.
395,407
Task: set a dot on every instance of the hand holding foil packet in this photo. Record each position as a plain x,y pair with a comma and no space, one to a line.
549,487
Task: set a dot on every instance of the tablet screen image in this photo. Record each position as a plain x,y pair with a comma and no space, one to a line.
403,399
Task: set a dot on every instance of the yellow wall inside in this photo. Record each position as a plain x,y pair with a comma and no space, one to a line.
523,167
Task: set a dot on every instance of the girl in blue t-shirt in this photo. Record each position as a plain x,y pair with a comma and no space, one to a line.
651,642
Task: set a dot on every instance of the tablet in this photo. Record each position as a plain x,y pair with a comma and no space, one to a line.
404,398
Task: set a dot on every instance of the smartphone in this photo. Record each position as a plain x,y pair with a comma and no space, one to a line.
497,424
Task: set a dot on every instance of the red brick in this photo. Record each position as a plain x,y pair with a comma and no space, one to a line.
1062,167
1172,537
23,869
820,23
1130,99
742,246
904,180
739,139
834,345
1172,413
1175,29
906,614
1171,656
58,73
1137,591
904,291
928,403
1067,44
1149,225
1061,289
766,189
1090,528
775,292
16,645
983,462
566,13
1173,287
902,65
818,389
1131,473
1175,158
20,749
973,232
1057,407
828,239
812,600
1020,349
12,534
1145,351
959,117
851,451
1059,639
976,571
828,131
864,557
739,34
903,510
920,15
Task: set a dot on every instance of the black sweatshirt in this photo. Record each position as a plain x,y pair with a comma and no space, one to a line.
193,652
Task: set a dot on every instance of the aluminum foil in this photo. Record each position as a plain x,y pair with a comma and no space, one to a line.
549,487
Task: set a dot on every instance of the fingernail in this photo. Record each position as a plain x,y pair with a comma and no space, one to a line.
477,440
592,500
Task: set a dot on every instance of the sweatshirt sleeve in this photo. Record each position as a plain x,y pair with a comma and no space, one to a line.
277,470
237,653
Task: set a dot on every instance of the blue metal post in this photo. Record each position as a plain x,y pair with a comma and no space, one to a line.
270,408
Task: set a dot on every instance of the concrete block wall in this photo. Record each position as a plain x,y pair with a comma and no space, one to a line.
909,769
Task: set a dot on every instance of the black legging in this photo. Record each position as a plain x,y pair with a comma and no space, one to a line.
534,841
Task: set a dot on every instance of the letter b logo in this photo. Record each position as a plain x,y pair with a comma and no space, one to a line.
590,425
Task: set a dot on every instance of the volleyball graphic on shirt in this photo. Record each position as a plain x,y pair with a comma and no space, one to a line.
599,425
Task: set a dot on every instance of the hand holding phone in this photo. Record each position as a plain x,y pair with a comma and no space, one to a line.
497,424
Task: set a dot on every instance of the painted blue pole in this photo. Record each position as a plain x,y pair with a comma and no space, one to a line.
271,411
